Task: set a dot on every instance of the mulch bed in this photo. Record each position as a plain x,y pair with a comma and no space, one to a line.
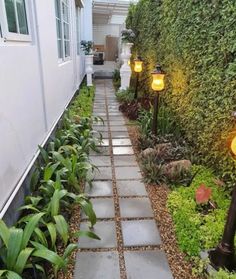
158,194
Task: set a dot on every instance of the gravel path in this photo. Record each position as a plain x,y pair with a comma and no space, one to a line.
130,245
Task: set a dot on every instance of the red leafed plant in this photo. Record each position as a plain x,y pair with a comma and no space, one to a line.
203,194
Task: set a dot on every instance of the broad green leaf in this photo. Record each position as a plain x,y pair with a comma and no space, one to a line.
88,210
14,247
44,154
52,232
62,227
41,237
30,227
9,274
55,203
69,249
28,207
4,233
49,256
86,234
22,260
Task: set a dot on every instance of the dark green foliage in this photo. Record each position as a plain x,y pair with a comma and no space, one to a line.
116,79
195,43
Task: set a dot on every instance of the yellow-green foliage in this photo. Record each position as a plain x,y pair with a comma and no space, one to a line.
195,230
195,41
82,105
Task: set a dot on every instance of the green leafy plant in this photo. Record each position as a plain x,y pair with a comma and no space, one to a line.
200,82
86,46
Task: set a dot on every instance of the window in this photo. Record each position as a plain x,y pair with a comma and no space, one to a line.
16,16
78,29
63,28
14,21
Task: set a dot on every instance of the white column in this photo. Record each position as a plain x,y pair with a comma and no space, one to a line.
125,70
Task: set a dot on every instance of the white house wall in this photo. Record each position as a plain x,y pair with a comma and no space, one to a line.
100,31
34,91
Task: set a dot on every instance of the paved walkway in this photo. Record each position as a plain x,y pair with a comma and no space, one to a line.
130,241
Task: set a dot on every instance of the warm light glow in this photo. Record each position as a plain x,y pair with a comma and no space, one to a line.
158,82
129,62
233,146
138,66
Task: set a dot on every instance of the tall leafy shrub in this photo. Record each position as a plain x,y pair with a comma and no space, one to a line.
196,43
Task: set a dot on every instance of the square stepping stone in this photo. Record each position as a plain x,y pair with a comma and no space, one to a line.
128,173
101,161
119,134
101,128
105,142
103,150
97,265
99,189
103,173
119,142
135,208
147,264
117,123
131,188
104,135
124,160
118,129
104,208
146,233
105,230
122,150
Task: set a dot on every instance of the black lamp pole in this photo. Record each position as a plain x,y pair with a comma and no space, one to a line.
223,256
158,85
136,86
155,113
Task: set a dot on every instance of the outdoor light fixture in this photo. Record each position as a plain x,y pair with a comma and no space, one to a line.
224,254
138,67
158,85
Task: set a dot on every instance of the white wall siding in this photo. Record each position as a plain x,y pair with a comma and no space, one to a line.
34,90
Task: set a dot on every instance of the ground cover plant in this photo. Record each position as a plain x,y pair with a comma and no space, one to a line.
39,246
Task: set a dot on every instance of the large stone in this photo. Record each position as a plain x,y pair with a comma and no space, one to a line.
148,151
140,233
135,208
97,265
147,264
175,168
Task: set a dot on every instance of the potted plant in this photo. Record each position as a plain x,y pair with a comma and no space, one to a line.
87,47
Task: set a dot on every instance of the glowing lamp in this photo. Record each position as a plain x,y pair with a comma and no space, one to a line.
129,62
158,76
233,146
138,65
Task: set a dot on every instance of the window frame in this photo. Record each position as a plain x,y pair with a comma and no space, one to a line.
62,21
11,36
78,30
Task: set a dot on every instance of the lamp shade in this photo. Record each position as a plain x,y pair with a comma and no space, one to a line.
138,65
158,76
233,146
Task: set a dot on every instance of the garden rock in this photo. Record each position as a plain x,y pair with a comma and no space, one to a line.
147,152
176,168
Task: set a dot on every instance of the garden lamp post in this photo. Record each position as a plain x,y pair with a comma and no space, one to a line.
158,85
138,67
223,256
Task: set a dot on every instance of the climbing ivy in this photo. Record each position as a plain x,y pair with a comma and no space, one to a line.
195,42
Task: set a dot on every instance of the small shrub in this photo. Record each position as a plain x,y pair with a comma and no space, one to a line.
116,79
196,231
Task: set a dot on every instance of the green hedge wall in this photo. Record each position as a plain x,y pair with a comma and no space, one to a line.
195,42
